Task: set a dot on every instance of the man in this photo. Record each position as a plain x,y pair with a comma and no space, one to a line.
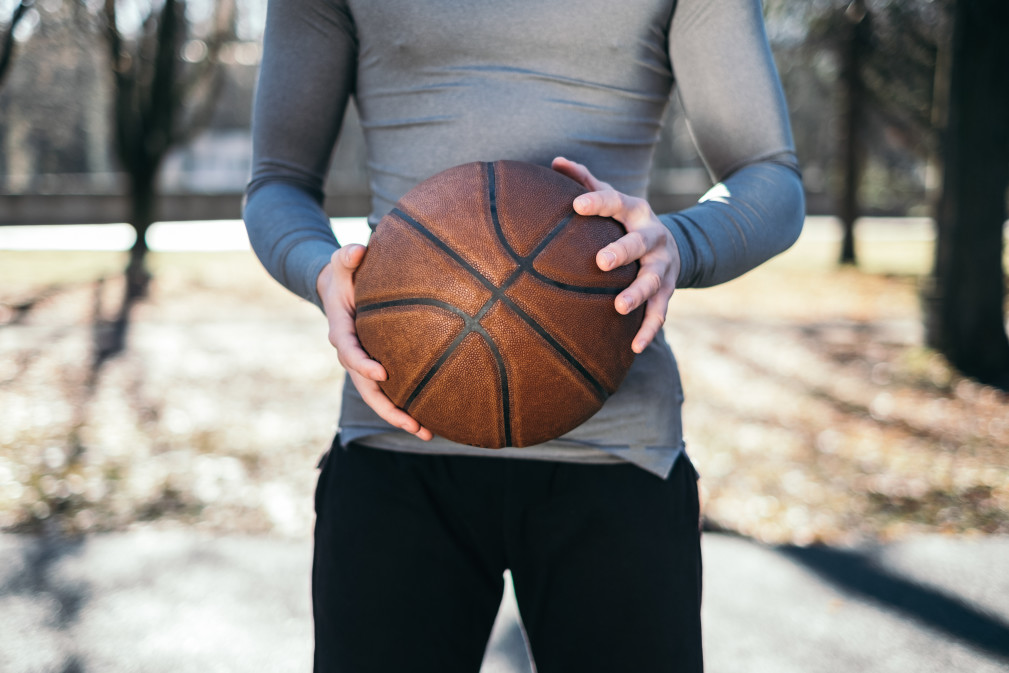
599,527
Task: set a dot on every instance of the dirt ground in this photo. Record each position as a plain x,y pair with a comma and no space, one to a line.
813,412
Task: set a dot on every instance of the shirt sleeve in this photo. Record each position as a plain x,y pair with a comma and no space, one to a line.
736,112
305,82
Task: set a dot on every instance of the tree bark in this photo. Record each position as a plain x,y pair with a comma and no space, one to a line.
856,23
142,199
966,320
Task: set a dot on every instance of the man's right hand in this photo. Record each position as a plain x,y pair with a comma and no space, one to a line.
335,285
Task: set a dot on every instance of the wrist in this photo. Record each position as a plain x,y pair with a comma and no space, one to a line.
324,280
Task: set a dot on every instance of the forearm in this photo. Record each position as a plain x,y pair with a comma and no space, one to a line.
291,236
736,111
305,82
752,215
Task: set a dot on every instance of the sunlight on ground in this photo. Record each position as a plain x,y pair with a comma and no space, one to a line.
812,410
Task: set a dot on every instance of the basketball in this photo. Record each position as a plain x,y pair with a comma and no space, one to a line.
480,295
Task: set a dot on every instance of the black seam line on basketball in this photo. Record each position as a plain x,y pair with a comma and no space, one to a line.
414,301
497,292
429,374
428,234
526,262
492,200
531,257
505,398
500,295
572,360
578,289
470,328
471,325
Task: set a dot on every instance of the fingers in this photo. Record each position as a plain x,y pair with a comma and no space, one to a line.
386,410
644,231
350,256
336,288
647,241
649,282
655,318
656,280
352,356
608,202
630,247
578,173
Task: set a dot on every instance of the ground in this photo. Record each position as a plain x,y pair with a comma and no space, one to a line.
813,411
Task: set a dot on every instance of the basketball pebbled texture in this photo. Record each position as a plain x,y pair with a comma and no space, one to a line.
480,295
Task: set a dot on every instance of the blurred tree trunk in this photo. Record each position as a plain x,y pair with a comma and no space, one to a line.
158,105
160,101
142,203
854,44
7,37
144,115
966,303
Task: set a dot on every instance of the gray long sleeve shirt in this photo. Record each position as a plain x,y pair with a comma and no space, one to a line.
439,83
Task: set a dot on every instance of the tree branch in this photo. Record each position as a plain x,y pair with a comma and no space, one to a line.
7,39
203,84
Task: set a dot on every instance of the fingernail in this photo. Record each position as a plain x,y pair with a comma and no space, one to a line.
583,201
609,259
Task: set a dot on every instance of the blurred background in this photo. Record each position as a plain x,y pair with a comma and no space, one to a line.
151,372
153,378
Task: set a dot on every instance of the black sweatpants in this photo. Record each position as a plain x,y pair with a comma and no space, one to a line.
410,550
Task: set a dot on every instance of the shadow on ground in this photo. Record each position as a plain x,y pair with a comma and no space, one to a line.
857,574
181,601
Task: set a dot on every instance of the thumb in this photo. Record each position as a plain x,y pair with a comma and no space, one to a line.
350,256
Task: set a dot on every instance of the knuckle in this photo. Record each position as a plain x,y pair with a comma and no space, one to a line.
632,296
652,281
636,243
624,252
638,208
373,395
610,199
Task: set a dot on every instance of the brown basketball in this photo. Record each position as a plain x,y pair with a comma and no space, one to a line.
480,295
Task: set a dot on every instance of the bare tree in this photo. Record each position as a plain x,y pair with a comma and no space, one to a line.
856,31
883,55
966,320
161,100
7,37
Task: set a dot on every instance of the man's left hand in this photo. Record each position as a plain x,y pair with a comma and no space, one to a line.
647,240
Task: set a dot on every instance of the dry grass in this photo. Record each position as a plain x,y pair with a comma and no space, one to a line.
813,412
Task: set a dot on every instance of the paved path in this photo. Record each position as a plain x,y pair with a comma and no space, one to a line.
176,602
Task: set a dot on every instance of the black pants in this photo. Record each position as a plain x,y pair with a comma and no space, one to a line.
410,552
